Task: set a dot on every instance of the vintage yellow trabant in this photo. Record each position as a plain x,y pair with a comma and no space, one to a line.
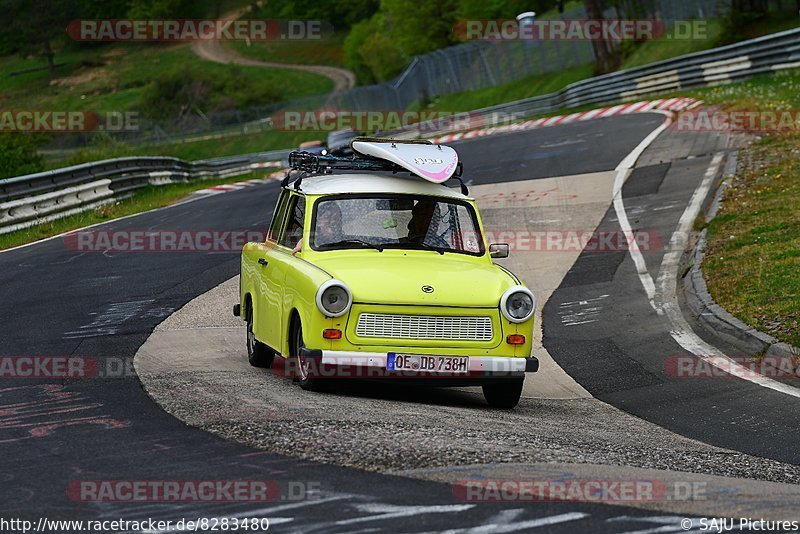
383,275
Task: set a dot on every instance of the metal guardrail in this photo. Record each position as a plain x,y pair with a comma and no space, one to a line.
35,198
763,55
27,200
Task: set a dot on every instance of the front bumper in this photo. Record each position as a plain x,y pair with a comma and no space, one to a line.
372,365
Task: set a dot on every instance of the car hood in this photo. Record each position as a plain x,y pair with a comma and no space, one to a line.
396,277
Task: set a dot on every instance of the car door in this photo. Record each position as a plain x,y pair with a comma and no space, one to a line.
270,278
287,234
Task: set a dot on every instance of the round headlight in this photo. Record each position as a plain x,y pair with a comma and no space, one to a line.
334,298
518,304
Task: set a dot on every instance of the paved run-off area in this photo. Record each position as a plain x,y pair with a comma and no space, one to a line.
195,366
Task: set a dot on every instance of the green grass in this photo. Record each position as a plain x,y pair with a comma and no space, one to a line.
325,51
112,78
205,149
752,267
148,198
230,146
714,34
780,91
669,47
525,88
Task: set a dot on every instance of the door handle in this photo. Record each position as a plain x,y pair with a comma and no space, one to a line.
263,262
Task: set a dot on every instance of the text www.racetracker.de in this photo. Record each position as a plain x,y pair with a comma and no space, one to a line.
199,524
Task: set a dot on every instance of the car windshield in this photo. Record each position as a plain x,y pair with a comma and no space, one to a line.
396,221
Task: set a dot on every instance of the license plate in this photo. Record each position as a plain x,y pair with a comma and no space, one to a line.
429,364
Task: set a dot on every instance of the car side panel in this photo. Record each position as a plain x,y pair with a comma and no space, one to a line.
301,281
264,283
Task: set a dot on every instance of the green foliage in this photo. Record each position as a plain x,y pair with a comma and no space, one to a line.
188,91
379,52
341,14
18,154
353,46
736,24
379,48
35,25
500,9
102,146
161,9
419,27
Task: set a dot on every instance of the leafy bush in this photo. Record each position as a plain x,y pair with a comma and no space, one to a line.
353,45
341,14
18,154
189,92
161,9
377,49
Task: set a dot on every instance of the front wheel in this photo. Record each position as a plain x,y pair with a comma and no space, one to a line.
503,395
258,354
305,370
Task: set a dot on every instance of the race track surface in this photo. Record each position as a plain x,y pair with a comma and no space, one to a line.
58,302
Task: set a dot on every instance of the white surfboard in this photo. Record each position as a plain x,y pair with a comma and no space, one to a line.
435,163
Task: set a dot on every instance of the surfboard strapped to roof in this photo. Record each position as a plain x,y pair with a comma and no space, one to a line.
435,163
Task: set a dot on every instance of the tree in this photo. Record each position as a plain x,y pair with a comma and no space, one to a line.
603,50
743,13
33,25
758,7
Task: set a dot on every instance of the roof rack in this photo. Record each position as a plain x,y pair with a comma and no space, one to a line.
306,163
319,164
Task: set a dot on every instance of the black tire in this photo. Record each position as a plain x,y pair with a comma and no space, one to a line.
304,374
503,395
258,354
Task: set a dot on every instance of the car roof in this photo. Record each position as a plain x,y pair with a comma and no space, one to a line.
331,184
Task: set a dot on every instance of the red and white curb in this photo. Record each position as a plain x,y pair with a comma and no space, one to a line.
224,188
266,164
647,106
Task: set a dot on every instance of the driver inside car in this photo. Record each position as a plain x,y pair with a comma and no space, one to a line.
425,218
328,228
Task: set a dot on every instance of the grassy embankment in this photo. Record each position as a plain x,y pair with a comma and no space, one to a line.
752,267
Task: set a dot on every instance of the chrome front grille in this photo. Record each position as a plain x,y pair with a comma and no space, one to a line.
424,327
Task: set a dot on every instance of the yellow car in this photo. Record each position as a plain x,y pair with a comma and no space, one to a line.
383,275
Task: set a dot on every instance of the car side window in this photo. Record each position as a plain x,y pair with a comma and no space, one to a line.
294,228
278,217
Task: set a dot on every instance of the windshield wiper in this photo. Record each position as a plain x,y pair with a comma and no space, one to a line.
343,242
426,246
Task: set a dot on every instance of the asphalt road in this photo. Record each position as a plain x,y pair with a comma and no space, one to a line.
58,302
621,351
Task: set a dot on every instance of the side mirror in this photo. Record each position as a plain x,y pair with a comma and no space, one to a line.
498,250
